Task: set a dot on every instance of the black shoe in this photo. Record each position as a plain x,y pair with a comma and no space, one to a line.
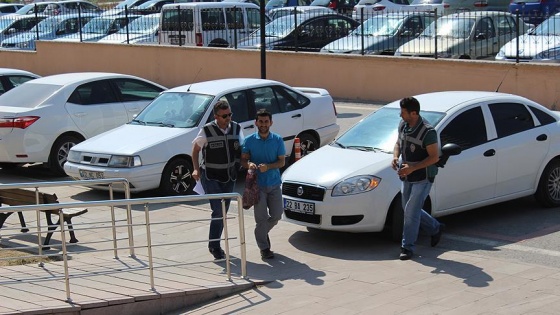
436,237
405,254
267,254
218,253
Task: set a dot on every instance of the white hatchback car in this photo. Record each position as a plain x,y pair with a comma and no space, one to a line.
42,119
154,150
510,149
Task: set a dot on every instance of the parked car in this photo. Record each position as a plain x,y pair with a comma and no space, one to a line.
32,8
14,24
153,151
256,2
9,8
340,6
534,11
48,29
369,8
312,33
539,45
10,78
150,7
382,34
143,30
42,119
309,9
493,166
466,35
274,4
71,7
100,27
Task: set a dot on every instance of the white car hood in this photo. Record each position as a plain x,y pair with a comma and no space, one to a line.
530,45
426,45
135,139
319,167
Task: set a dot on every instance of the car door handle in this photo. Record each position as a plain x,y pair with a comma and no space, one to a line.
490,152
79,114
296,116
133,109
542,137
249,127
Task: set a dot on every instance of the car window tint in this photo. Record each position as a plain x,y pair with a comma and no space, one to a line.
136,90
173,18
466,130
253,18
29,95
485,27
286,102
234,18
97,92
510,118
239,106
212,19
16,80
300,99
505,24
544,118
265,98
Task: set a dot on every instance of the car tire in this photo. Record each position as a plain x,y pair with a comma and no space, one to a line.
176,179
548,191
59,153
397,219
219,42
308,144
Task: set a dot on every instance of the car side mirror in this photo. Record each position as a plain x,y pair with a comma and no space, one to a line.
480,36
448,150
406,33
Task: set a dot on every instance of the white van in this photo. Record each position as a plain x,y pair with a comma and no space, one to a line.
213,24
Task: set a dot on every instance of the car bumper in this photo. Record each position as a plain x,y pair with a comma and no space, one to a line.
140,178
20,146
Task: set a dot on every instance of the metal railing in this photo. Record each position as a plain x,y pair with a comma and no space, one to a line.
128,203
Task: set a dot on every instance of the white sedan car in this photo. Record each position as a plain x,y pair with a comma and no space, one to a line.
10,78
361,192
154,150
42,119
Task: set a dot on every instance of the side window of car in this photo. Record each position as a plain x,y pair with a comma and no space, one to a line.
93,93
505,25
135,90
286,102
253,18
265,98
543,117
239,106
234,18
313,29
510,118
18,80
212,19
485,27
466,130
301,100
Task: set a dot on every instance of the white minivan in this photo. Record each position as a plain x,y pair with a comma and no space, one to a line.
213,24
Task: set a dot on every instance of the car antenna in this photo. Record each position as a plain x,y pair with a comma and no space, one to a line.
503,79
189,89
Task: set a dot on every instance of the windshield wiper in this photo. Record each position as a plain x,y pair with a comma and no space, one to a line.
161,123
139,121
339,144
362,148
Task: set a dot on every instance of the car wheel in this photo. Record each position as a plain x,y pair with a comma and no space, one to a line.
308,144
548,191
218,42
59,153
397,219
177,179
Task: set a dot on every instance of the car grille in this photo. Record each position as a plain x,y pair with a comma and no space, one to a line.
94,159
307,191
309,218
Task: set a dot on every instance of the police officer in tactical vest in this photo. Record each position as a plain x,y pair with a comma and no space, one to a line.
220,143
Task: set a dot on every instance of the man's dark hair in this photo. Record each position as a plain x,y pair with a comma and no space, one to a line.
220,105
410,104
264,112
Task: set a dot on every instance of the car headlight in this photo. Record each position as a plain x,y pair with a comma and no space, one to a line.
74,156
124,161
553,53
356,185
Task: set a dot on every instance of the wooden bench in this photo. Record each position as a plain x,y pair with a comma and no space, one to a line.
23,197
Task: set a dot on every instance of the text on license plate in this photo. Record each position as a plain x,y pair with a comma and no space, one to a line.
299,206
91,174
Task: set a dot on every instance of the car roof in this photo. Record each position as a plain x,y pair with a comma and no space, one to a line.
75,77
211,4
5,71
449,100
62,17
214,87
476,14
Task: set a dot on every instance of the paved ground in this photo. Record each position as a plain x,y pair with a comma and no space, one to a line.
312,273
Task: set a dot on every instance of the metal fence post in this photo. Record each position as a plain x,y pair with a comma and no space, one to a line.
80,21
179,26
435,34
127,21
149,245
38,213
36,25
226,239
363,30
235,29
517,36
296,29
64,255
113,228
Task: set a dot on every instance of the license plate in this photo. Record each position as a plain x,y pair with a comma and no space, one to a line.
299,206
91,174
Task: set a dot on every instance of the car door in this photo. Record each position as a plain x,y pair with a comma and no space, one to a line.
470,177
286,113
243,111
134,94
521,146
95,108
485,42
311,34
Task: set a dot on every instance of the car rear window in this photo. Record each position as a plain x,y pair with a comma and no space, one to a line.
28,95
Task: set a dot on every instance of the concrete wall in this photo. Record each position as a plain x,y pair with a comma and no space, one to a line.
367,78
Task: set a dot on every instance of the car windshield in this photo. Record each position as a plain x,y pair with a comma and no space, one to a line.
281,27
142,25
6,21
173,109
379,26
97,26
28,95
451,27
46,26
549,27
321,3
416,2
379,129
368,2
